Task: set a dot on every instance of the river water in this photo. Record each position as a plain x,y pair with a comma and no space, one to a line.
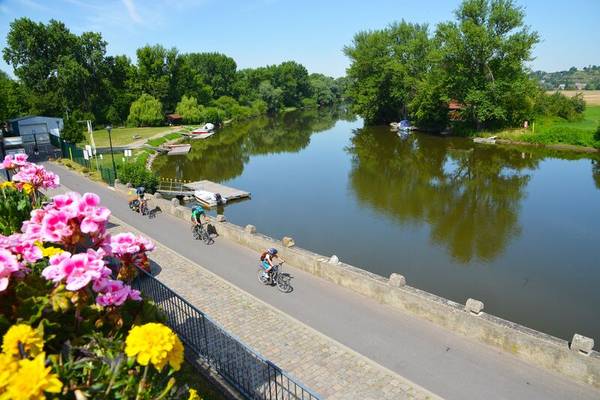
515,227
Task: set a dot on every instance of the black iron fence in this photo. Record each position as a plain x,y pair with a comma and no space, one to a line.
208,343
76,154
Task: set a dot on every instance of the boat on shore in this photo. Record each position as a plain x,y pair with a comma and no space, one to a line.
402,126
203,132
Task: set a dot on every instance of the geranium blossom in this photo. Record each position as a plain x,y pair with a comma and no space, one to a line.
12,162
8,265
37,176
128,243
114,292
77,270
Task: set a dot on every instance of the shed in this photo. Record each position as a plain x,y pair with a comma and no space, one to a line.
35,132
174,119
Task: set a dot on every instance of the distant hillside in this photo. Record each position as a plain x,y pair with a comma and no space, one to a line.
587,78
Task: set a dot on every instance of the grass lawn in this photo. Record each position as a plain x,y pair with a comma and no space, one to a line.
158,141
124,136
555,130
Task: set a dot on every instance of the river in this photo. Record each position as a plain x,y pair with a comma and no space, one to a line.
515,227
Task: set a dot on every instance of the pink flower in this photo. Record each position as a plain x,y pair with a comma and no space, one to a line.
77,271
124,243
8,265
11,162
95,220
55,226
114,292
37,176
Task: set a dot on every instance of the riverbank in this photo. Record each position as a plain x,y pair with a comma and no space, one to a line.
557,133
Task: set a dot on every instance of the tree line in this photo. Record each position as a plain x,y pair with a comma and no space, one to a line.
60,73
469,73
587,78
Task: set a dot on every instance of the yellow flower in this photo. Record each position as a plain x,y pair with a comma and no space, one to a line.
8,366
7,185
154,343
194,395
31,380
28,188
32,340
48,251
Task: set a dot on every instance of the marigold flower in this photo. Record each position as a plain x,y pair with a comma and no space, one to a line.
31,339
194,395
8,366
31,380
154,343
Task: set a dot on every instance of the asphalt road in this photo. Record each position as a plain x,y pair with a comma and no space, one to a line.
445,363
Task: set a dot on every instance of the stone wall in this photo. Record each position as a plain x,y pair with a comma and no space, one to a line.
577,359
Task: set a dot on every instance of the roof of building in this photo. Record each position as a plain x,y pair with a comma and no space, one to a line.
31,116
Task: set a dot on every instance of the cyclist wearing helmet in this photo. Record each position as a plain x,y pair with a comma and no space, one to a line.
197,213
267,259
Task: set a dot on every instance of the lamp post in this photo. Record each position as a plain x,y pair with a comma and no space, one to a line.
109,128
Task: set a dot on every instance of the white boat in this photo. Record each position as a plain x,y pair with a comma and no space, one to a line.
488,140
402,126
203,132
209,198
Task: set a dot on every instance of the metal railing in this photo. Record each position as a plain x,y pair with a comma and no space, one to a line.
173,185
208,343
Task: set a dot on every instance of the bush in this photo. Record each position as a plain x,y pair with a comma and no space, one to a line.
227,104
137,174
560,105
213,115
72,131
189,110
145,111
309,103
597,134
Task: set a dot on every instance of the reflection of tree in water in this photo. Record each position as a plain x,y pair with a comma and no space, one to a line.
469,195
222,156
596,172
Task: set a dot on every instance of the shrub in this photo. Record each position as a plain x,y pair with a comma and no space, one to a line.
72,131
137,174
213,115
145,111
560,105
309,103
189,110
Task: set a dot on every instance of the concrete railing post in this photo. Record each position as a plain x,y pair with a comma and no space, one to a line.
582,344
474,306
220,218
288,241
397,280
250,229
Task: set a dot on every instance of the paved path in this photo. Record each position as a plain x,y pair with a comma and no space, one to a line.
447,364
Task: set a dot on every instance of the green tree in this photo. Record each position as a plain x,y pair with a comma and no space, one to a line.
272,96
72,131
386,66
157,72
292,79
214,70
13,99
189,110
145,111
483,57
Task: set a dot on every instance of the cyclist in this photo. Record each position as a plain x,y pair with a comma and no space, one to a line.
267,259
197,213
140,191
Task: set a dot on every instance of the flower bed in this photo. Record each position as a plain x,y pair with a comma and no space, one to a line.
72,327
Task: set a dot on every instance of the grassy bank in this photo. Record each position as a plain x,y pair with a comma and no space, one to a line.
558,131
125,136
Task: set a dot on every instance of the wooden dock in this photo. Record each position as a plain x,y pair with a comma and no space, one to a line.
228,193
178,149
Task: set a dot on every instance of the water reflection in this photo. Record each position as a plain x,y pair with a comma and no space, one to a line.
469,194
223,156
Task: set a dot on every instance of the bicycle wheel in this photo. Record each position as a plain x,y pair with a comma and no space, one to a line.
283,283
205,236
196,233
262,277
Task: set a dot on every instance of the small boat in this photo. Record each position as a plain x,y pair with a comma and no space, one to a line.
209,199
203,132
402,126
488,140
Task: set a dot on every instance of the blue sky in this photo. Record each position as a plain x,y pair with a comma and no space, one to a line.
260,32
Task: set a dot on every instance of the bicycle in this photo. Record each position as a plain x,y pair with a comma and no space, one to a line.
276,276
139,206
200,233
